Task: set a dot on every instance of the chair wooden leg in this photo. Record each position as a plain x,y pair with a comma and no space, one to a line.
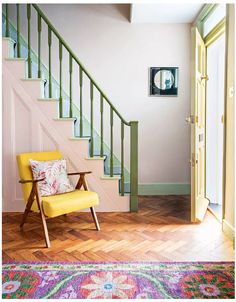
26,212
95,218
28,206
45,229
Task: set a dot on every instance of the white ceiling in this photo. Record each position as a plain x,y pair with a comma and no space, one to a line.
165,13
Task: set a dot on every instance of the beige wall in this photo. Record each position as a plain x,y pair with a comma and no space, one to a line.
229,208
118,55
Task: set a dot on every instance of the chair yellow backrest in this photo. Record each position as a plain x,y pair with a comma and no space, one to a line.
25,170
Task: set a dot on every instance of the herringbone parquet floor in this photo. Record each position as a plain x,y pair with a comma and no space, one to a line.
160,231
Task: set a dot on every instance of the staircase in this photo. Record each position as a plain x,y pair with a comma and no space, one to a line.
72,128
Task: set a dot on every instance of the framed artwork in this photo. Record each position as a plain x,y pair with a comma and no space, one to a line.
164,81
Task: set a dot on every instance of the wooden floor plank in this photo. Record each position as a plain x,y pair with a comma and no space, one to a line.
160,231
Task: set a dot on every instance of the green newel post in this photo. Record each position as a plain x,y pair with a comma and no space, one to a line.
134,166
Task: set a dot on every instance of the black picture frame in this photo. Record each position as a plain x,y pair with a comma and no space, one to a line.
167,86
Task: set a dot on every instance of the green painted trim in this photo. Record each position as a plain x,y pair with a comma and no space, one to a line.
204,14
133,166
164,189
215,33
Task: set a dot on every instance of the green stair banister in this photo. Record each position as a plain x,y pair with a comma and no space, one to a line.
73,60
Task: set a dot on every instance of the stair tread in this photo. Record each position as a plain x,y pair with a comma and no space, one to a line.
16,59
96,158
115,177
48,100
79,138
33,79
8,39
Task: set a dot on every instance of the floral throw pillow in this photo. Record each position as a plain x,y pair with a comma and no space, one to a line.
56,179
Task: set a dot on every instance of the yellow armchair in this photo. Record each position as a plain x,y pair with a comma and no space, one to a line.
55,205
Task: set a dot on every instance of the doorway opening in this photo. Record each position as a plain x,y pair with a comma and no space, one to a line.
215,124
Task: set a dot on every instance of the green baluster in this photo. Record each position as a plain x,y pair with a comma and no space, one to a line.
122,159
70,66
101,110
91,119
111,142
49,63
81,102
133,166
39,45
29,42
60,76
18,29
7,22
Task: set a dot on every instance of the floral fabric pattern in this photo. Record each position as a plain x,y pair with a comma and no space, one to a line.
55,174
205,286
16,285
108,286
118,280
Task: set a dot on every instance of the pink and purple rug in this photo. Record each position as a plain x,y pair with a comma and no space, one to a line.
114,280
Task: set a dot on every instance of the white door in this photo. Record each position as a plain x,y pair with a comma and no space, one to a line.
199,202
214,120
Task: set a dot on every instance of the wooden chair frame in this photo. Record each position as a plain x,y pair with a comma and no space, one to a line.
35,193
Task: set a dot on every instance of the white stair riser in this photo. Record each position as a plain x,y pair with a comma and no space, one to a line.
97,165
66,127
35,88
7,48
49,108
17,67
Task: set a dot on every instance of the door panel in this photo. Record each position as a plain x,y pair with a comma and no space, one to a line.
199,202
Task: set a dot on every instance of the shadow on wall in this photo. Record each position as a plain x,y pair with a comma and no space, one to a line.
112,11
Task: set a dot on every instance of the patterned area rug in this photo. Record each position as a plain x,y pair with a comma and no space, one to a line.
133,280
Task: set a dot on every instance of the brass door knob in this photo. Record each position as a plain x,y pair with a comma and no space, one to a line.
204,77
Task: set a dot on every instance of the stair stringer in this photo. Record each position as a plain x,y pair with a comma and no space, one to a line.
110,200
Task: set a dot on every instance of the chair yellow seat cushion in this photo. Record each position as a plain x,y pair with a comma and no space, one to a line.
60,204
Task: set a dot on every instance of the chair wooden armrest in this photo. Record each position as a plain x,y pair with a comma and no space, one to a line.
79,173
81,182
33,181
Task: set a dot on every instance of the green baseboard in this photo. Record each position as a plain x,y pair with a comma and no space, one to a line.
164,189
